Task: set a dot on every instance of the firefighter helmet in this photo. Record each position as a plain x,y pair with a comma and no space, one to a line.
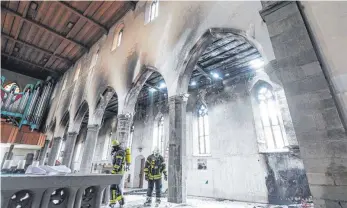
115,142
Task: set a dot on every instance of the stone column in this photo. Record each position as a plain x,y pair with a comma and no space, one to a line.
177,149
123,128
69,148
318,126
89,148
43,152
54,151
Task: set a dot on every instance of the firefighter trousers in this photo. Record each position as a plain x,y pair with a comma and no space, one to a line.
151,184
117,193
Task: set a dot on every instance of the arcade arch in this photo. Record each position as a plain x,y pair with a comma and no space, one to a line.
98,130
217,75
148,99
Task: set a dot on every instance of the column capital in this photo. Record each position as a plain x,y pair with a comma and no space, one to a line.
93,127
180,98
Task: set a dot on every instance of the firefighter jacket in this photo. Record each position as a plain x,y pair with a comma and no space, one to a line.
118,161
155,167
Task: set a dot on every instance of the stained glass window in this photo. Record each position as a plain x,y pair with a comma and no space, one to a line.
9,86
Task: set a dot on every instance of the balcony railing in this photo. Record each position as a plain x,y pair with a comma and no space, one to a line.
70,191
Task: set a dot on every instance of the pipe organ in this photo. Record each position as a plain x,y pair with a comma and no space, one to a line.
29,106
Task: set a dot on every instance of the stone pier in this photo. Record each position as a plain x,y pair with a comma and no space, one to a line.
177,149
69,148
89,148
54,151
315,114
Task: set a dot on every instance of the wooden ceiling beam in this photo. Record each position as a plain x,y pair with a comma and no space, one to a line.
36,48
81,15
218,48
20,25
246,59
43,27
222,53
235,56
84,13
202,71
28,62
121,12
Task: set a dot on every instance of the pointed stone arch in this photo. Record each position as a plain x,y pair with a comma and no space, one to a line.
62,125
101,105
140,80
197,50
82,111
51,126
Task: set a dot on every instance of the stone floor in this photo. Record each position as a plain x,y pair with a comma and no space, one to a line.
136,201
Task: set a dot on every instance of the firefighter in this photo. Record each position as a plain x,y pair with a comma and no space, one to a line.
154,168
119,162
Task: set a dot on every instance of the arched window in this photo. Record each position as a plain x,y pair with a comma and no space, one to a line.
203,139
153,12
118,35
9,86
94,59
158,135
269,113
77,73
119,40
130,140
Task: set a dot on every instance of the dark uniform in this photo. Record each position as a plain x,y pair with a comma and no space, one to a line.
118,162
154,168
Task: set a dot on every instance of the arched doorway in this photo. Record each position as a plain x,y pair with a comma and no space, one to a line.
138,171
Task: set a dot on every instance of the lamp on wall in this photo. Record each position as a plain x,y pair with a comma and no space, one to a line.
140,148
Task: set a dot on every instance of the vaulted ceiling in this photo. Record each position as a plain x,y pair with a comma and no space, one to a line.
45,38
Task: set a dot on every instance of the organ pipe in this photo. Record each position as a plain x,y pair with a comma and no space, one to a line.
38,107
29,106
45,102
23,102
32,103
8,100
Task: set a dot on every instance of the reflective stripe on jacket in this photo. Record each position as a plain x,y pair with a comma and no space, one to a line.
118,162
155,167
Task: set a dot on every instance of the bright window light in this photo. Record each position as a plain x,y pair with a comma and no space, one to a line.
162,85
193,83
257,63
152,89
215,75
